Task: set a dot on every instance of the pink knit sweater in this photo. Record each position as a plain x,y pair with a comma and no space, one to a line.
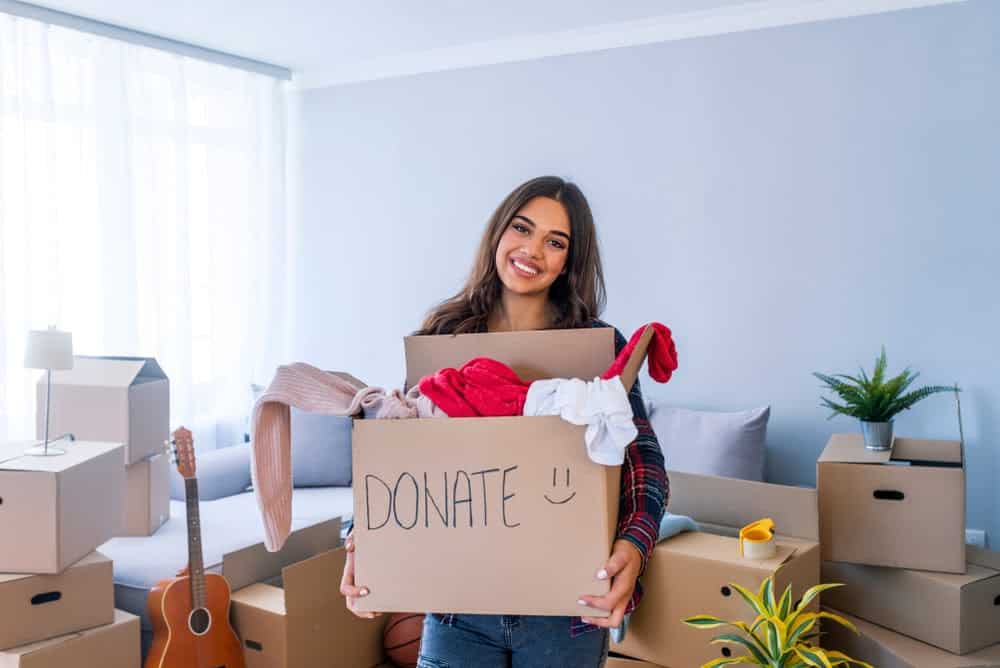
317,391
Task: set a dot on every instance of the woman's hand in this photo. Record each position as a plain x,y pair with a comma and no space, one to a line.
623,568
347,587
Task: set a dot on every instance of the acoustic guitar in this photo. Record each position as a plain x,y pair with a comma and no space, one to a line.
190,613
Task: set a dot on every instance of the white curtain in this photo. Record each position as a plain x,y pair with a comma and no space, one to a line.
142,209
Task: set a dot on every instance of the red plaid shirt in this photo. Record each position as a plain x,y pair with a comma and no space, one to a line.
645,488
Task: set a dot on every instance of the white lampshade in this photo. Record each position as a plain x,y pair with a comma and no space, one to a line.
49,349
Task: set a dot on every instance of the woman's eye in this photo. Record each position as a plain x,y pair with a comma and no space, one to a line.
557,244
519,227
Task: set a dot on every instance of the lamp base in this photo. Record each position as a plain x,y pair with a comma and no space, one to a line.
42,451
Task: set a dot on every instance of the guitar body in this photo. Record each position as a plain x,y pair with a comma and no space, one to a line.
183,639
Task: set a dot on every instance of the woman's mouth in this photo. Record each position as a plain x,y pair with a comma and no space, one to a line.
524,268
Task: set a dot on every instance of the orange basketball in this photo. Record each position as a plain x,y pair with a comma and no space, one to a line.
401,638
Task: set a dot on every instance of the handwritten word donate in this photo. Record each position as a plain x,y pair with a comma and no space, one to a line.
448,501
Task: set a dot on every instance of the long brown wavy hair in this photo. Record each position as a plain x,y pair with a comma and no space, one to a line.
576,296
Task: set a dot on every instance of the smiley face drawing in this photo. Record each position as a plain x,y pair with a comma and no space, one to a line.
555,472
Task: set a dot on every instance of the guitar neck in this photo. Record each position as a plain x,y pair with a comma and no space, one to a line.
196,566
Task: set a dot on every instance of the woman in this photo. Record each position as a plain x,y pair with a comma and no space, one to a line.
538,267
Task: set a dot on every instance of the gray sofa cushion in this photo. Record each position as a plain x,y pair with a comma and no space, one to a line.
321,449
712,443
221,472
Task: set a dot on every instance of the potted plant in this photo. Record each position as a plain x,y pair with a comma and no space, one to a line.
876,400
781,635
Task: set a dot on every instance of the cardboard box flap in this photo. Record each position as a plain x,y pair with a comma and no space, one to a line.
108,371
927,450
980,557
263,596
555,353
255,564
850,449
77,452
732,502
725,550
631,370
312,584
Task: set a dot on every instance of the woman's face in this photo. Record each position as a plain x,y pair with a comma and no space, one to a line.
534,248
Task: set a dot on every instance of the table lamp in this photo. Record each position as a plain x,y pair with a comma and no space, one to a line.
48,349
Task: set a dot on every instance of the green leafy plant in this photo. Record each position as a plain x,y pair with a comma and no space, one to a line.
876,399
781,634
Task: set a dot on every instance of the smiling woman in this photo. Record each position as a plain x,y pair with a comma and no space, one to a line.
537,267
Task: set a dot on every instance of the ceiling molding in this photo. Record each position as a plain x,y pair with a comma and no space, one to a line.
753,15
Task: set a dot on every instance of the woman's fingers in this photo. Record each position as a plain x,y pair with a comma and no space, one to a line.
352,592
614,621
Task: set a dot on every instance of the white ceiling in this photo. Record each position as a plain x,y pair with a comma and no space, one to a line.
307,34
331,41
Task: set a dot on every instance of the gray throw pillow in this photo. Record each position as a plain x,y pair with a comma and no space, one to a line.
321,449
712,443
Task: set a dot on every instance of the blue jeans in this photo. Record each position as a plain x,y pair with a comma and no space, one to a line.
508,641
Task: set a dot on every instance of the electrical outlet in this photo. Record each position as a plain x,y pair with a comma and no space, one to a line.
975,537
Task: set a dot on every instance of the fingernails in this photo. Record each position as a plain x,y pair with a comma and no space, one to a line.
602,574
364,591
581,602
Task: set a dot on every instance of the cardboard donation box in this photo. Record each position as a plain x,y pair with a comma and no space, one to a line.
903,507
114,645
36,607
56,510
120,399
304,621
887,649
690,573
147,496
503,515
959,613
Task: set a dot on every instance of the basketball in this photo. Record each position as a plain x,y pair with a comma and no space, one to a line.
401,638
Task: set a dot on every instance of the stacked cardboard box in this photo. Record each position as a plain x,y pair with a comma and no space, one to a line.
893,531
123,400
56,592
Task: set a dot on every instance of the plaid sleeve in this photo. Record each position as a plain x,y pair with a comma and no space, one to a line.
645,488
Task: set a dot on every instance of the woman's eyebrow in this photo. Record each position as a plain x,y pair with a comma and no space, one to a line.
533,224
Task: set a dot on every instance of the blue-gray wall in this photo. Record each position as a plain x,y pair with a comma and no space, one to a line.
787,200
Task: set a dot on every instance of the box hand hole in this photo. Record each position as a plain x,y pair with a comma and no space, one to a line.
46,597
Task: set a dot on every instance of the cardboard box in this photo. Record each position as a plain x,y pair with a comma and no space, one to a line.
115,645
120,399
491,503
36,607
305,622
688,574
886,649
965,615
147,496
60,508
903,508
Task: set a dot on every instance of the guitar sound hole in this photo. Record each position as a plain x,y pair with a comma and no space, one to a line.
199,621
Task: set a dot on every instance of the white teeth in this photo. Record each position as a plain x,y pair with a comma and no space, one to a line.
525,268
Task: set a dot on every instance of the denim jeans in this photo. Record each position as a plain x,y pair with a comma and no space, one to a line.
508,641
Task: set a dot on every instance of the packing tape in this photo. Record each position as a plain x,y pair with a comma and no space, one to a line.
757,540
